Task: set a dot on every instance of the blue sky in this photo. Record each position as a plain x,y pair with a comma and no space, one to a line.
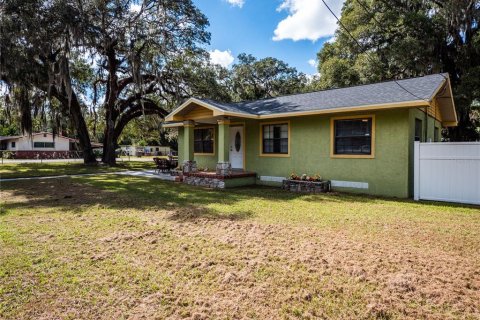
291,30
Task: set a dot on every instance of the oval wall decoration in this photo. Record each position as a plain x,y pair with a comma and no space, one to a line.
238,141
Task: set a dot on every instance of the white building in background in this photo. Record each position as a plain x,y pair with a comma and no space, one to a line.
42,144
146,150
43,141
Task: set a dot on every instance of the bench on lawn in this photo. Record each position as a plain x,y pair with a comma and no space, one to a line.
165,165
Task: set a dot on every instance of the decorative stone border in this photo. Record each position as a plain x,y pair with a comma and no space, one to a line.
307,186
204,181
213,180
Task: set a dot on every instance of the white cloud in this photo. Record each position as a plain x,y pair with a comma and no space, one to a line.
332,39
307,20
312,63
223,58
236,3
313,77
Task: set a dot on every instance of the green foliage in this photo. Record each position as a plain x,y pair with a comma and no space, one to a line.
7,154
400,39
265,78
136,62
9,130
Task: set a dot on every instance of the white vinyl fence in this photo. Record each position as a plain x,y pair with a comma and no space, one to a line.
447,171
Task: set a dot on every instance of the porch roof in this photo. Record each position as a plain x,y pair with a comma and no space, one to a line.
414,92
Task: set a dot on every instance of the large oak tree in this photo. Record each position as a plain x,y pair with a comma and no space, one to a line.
399,39
134,48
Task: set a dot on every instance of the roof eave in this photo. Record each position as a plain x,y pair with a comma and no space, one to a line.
446,84
403,104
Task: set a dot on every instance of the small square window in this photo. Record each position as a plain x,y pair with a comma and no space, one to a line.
353,136
275,138
203,140
14,144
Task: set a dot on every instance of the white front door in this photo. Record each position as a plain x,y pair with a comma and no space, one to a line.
236,147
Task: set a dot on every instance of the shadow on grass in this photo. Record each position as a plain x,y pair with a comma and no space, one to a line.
24,170
187,202
123,192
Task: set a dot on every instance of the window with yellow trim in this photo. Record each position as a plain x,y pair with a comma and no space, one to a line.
275,138
353,136
203,141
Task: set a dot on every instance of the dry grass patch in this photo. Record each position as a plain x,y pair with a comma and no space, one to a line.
132,248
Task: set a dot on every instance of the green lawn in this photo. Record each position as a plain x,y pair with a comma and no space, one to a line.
22,170
117,247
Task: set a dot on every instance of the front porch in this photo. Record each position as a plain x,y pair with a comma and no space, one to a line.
212,149
213,154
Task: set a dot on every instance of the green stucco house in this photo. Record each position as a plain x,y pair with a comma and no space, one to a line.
361,138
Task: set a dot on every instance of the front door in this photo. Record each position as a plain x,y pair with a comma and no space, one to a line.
236,147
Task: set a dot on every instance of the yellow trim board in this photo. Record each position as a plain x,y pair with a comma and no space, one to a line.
351,156
275,155
172,125
171,116
453,102
440,87
214,144
449,123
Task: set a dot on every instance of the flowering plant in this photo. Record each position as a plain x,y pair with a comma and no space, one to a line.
293,176
305,177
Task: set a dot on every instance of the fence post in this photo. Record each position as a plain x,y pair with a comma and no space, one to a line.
416,171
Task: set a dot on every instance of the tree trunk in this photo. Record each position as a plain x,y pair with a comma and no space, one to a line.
82,133
75,112
109,143
111,114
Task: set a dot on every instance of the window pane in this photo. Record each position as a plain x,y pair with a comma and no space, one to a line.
203,140
284,131
268,146
207,134
353,136
284,146
266,132
276,146
208,146
275,138
355,127
197,133
197,146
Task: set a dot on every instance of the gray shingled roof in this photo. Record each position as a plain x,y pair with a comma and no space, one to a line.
422,88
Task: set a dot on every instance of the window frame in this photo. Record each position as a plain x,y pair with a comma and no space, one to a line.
44,146
352,156
13,144
275,155
213,139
